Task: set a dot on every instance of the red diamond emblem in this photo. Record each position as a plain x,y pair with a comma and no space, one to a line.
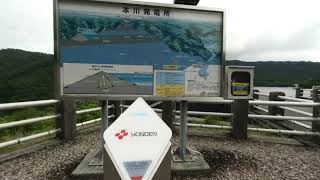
122,134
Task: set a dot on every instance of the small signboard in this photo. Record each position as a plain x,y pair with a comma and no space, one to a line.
137,142
136,48
239,82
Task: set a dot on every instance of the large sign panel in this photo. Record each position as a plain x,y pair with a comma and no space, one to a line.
139,49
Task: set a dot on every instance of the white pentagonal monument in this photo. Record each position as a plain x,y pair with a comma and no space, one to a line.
137,142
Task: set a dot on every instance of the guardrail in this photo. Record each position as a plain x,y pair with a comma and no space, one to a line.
280,108
304,93
282,102
293,102
20,105
276,131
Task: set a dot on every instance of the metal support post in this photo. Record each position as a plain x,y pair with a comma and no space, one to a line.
316,109
104,118
67,122
183,129
116,108
255,96
168,114
274,110
240,109
299,91
184,104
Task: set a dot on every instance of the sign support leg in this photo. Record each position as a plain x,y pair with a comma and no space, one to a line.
183,128
104,118
185,159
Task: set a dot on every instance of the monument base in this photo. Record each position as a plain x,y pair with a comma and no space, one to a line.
193,164
91,167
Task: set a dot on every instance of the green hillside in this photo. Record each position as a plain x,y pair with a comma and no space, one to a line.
25,75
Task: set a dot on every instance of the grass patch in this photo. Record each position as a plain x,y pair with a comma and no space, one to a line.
33,112
216,120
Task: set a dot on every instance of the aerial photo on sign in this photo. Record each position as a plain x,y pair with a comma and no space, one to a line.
132,49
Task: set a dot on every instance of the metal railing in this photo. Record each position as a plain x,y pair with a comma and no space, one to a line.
281,104
20,105
294,99
28,121
299,121
289,101
284,103
28,138
276,131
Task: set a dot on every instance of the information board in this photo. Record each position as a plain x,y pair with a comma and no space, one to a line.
137,48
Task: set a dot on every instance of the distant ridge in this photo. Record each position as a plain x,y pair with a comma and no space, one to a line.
283,73
26,75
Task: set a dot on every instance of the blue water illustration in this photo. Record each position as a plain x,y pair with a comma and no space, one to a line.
170,78
155,53
137,79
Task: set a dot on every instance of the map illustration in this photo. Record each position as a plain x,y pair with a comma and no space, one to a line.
124,43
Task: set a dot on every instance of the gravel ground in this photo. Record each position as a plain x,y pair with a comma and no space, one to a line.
228,159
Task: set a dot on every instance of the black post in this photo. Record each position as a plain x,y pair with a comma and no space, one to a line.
240,118
255,96
274,110
67,122
299,91
316,109
104,118
168,114
186,2
116,110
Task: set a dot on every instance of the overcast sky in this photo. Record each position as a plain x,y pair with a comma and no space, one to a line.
256,29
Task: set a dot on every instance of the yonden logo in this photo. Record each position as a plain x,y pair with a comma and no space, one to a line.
122,134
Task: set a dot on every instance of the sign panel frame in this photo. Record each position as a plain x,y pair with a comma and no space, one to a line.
59,78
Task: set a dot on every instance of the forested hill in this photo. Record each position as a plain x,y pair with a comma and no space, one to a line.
25,75
28,76
283,73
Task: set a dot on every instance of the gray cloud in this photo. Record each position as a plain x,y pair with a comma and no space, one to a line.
305,39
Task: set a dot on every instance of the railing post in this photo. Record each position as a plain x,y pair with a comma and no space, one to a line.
116,108
67,121
240,109
299,91
168,113
104,118
255,96
316,109
183,128
274,110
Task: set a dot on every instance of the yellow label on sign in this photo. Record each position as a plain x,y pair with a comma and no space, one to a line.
240,84
170,67
170,90
240,89
240,93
